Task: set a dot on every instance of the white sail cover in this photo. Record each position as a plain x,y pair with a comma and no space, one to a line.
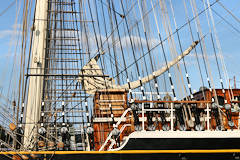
92,78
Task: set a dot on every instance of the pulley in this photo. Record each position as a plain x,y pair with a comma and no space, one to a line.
115,132
42,131
219,128
231,123
134,107
165,127
179,115
182,127
138,127
214,105
198,127
216,115
64,130
227,106
151,127
90,130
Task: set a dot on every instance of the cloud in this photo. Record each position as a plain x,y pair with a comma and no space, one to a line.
89,41
6,33
137,41
13,31
211,55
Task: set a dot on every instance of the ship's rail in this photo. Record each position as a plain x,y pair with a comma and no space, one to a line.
207,121
113,142
174,102
115,126
171,110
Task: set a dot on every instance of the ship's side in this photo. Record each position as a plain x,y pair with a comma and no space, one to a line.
109,80
145,144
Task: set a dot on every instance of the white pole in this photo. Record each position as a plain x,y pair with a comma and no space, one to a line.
143,118
151,98
33,105
208,125
171,116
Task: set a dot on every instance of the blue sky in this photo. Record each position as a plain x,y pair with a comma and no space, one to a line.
7,39
229,38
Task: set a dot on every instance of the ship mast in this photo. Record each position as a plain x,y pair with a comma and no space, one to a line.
33,104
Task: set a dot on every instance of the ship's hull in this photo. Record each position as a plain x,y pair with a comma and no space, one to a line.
132,156
151,149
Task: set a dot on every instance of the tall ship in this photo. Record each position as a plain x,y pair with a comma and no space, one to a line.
115,79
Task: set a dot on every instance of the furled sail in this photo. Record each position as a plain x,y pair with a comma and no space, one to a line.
92,77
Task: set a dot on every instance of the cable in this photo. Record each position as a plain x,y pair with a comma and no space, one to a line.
5,10
236,18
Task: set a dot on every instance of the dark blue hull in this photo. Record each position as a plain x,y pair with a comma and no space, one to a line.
151,149
137,156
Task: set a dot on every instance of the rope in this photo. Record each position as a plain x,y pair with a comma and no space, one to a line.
10,5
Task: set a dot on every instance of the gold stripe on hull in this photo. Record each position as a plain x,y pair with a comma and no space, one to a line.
127,152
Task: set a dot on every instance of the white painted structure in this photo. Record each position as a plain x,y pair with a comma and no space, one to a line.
180,134
33,104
